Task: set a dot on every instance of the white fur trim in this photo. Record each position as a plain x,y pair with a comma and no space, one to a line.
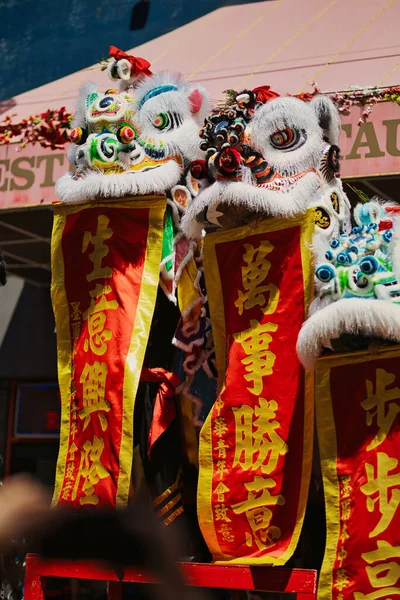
79,119
98,186
328,117
167,101
395,248
266,202
375,318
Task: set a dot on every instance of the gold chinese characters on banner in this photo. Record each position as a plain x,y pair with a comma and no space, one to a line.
105,263
256,445
358,407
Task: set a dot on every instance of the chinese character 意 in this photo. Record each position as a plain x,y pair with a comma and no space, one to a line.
383,575
226,532
67,490
377,490
259,361
253,275
220,426
100,249
98,335
220,491
257,513
258,446
92,470
93,380
384,404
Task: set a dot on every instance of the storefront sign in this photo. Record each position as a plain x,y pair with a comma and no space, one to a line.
28,175
256,444
373,148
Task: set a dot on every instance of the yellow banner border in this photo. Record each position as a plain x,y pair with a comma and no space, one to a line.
328,452
141,330
213,280
214,289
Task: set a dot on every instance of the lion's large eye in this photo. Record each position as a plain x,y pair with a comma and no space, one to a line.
161,121
287,139
167,121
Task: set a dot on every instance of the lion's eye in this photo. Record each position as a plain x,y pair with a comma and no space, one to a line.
161,121
287,139
167,121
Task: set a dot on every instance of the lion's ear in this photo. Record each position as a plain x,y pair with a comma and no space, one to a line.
199,103
328,118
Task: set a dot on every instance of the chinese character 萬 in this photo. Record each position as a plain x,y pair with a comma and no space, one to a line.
253,275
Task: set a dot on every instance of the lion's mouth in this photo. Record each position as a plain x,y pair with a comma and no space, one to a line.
281,183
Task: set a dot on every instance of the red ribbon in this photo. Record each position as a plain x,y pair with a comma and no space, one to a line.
264,93
164,408
138,65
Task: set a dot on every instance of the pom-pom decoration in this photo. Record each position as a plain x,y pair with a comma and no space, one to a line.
126,134
78,135
198,169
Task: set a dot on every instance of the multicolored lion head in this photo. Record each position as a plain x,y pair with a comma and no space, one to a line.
268,156
357,286
136,141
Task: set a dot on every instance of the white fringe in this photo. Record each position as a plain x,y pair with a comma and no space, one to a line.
97,186
374,318
268,203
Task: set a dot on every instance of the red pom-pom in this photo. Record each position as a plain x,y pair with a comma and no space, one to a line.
126,134
198,169
230,160
78,135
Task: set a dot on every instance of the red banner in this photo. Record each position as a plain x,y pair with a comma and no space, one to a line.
256,445
358,407
105,265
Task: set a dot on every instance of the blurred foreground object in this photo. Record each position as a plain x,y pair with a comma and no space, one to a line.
23,509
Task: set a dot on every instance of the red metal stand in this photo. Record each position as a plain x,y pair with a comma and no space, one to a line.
302,582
